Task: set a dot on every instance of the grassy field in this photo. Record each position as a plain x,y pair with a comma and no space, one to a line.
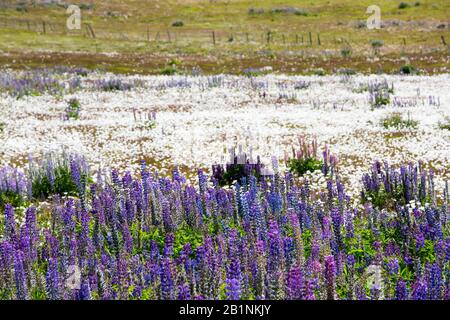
228,36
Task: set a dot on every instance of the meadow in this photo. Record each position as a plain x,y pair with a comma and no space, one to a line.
226,36
223,187
224,150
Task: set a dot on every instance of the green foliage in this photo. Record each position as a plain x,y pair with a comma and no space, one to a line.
408,69
63,184
404,5
426,253
396,121
73,109
317,72
11,197
307,242
382,100
382,199
177,23
235,173
2,126
150,124
168,71
301,166
442,125
183,235
346,52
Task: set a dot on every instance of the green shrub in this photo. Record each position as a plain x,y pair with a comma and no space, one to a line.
301,166
346,52
2,126
404,5
10,197
317,72
63,184
73,109
168,71
178,23
445,125
235,173
408,69
396,121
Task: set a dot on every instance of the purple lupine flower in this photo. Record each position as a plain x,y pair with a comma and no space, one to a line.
184,292
393,267
295,283
420,290
233,289
401,291
20,276
435,282
167,285
85,290
52,280
330,274
10,223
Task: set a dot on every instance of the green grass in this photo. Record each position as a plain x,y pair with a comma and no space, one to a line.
125,26
396,121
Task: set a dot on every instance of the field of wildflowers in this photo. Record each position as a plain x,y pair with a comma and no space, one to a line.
129,187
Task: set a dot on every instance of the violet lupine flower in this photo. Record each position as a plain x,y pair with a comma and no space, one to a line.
330,274
52,280
393,267
85,290
167,282
295,283
434,282
420,290
184,292
10,223
20,276
233,289
401,291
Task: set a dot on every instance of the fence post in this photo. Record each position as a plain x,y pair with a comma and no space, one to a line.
310,38
43,27
214,38
318,39
443,41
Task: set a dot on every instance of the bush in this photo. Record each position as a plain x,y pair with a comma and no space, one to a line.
2,126
407,69
396,121
168,71
13,187
445,125
112,85
404,5
235,173
301,166
65,176
178,23
73,109
255,11
346,52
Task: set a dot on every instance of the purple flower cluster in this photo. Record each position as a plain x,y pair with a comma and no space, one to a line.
153,237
